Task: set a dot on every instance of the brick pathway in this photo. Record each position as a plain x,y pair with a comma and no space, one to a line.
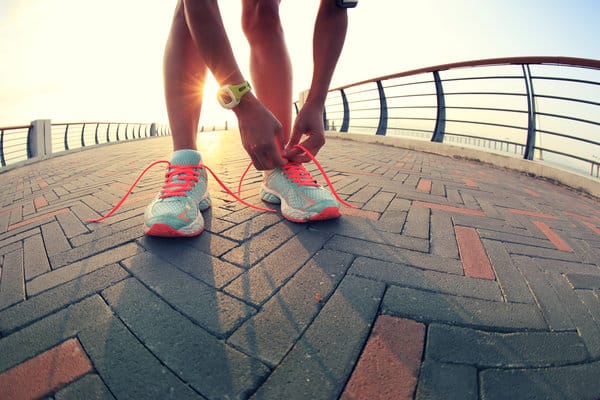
453,280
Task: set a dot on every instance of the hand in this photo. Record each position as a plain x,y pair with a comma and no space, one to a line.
261,133
309,122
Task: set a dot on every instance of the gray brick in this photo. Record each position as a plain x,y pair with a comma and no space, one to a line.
577,382
34,257
215,311
556,265
539,252
417,223
12,282
443,239
365,194
71,225
550,303
95,247
128,368
273,331
210,270
434,307
51,331
453,344
248,229
360,228
261,281
55,240
80,268
404,275
106,229
391,220
207,364
379,202
395,254
583,281
512,282
252,251
59,297
90,387
439,381
514,238
320,363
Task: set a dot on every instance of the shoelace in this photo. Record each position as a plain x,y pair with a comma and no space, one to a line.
188,175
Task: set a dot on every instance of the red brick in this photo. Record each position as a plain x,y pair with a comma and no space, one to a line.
40,202
443,207
424,185
532,213
46,372
552,236
476,263
592,227
38,218
356,212
389,366
531,192
470,182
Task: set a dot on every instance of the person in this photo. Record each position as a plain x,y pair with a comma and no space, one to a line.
198,43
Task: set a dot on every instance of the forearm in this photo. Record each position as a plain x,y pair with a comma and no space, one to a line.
328,41
208,32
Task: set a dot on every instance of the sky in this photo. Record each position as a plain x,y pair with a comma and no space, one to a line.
78,60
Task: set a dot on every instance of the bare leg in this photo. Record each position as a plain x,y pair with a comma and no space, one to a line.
184,77
270,65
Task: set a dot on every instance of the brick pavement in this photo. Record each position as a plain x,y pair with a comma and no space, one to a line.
452,280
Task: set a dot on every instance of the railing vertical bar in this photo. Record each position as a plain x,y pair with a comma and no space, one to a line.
531,128
2,159
108,133
383,111
96,134
66,140
82,136
346,120
440,120
118,126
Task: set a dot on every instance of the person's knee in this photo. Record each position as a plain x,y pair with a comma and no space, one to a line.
261,17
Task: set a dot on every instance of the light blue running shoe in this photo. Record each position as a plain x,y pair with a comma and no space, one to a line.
175,211
302,199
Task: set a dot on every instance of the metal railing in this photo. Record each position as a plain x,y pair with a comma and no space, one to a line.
536,108
42,138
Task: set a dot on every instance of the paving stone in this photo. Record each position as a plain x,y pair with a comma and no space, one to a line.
252,251
54,299
395,254
556,265
403,275
443,239
570,382
452,344
51,331
512,282
389,364
283,318
207,364
216,311
127,367
12,282
261,281
539,252
438,381
248,229
71,225
356,228
209,269
80,268
55,240
35,261
583,281
323,358
90,387
435,307
417,223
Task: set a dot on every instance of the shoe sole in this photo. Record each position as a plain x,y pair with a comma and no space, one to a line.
287,212
164,230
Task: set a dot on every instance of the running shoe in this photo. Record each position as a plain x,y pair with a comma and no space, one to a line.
175,211
302,199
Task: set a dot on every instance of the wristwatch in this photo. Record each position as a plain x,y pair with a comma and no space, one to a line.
229,96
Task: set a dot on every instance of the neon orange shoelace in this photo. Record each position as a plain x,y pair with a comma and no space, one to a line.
188,175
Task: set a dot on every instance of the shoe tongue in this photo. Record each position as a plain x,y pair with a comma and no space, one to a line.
185,157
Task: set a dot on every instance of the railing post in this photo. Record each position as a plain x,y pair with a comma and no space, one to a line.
96,134
108,133
39,139
118,126
2,160
346,120
153,131
325,124
66,139
383,111
531,128
440,121
82,134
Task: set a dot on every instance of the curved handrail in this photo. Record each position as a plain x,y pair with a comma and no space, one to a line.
532,109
